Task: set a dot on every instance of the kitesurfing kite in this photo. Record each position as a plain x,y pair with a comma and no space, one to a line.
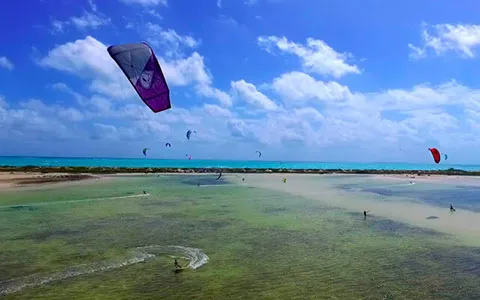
445,155
259,153
141,67
168,145
189,133
435,154
220,175
145,151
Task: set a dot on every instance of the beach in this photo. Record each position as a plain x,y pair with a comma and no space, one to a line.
464,224
244,235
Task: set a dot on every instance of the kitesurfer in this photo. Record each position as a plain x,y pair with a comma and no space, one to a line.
177,266
364,214
451,208
144,192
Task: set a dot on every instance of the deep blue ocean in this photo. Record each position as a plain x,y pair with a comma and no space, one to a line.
171,163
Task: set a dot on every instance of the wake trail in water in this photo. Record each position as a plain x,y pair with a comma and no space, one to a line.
76,201
196,258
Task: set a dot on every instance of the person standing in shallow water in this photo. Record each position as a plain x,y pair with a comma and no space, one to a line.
451,208
365,214
177,266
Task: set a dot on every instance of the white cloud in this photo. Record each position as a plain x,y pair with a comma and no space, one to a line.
169,40
92,19
36,121
58,26
89,21
219,3
146,2
185,71
6,63
316,55
249,93
416,52
460,38
300,87
209,91
155,14
93,6
217,111
84,57
88,58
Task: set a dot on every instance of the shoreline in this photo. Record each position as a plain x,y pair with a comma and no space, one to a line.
167,170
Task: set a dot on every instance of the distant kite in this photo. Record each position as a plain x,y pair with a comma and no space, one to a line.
446,156
189,133
141,67
145,151
259,153
435,154
168,145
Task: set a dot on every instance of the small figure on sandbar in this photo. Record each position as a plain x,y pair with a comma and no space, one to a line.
451,208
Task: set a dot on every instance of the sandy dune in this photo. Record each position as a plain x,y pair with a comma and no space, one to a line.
463,224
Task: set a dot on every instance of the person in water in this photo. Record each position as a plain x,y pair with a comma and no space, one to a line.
364,214
451,208
145,192
177,266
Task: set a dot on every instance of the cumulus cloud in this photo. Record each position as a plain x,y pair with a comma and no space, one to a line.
6,63
316,55
442,38
88,58
169,40
298,88
92,19
249,93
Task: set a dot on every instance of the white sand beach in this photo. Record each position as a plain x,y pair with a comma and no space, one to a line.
463,224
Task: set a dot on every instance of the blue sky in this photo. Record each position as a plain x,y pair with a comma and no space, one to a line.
299,80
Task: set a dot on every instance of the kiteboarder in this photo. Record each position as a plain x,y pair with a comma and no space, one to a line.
451,208
177,266
365,214
144,192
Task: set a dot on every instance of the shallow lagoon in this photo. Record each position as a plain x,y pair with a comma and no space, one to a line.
261,244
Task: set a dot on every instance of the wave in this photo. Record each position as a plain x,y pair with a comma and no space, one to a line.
196,258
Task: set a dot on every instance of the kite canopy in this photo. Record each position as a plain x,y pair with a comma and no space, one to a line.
189,133
168,145
446,156
435,154
259,153
145,151
141,67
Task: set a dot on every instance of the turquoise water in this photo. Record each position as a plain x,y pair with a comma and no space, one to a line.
171,163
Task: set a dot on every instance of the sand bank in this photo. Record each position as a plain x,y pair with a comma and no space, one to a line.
438,179
462,224
19,179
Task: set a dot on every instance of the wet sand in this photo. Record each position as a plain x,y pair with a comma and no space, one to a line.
439,179
20,179
463,224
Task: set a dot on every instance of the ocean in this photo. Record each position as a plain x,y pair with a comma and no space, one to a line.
19,161
306,239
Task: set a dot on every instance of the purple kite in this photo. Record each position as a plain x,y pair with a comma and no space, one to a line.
141,67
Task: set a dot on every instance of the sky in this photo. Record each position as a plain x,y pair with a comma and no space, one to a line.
337,80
